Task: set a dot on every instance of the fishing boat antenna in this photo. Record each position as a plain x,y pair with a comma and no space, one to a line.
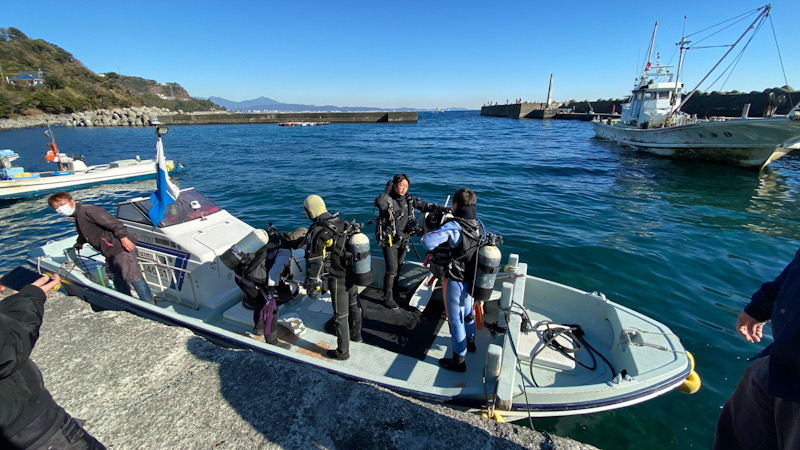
764,13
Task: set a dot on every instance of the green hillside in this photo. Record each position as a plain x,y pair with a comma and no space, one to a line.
71,87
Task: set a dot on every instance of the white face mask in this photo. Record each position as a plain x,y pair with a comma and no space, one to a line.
66,209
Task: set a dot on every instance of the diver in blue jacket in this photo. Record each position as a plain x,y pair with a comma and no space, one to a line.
764,410
455,245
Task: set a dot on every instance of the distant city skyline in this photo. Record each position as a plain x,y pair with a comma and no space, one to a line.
407,54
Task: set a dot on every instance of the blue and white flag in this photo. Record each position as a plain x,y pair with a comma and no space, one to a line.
166,192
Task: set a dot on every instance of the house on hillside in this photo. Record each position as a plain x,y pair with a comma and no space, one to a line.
29,78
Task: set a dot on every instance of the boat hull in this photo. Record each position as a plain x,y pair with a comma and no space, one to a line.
557,391
47,182
748,143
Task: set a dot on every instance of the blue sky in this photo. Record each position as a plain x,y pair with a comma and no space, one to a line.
422,54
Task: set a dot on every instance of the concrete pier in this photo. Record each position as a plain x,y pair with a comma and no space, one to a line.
524,110
142,384
332,117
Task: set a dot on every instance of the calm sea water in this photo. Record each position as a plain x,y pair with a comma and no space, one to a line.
684,243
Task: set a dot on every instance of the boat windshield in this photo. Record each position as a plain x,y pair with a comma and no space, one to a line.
189,205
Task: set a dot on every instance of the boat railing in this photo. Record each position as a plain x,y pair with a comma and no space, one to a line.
170,276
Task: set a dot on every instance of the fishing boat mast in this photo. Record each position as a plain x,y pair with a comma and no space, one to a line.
684,46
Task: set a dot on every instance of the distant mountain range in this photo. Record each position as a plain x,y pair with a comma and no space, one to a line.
268,104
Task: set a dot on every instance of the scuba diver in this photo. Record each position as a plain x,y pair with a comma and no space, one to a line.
258,275
328,268
455,248
396,225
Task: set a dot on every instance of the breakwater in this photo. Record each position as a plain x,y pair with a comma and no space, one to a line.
536,110
138,117
332,117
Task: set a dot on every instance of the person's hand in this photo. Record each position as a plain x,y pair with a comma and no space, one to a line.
389,186
78,246
749,328
47,284
127,244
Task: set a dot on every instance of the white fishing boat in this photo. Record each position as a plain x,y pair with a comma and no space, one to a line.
72,173
600,356
652,120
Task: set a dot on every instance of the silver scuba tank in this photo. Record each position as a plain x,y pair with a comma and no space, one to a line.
485,274
358,245
249,244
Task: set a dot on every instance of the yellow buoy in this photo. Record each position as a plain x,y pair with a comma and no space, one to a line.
692,383
494,416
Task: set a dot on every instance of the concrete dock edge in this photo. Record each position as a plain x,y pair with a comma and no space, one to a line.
142,384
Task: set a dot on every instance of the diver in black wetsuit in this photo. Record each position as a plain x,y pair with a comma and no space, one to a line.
396,225
327,267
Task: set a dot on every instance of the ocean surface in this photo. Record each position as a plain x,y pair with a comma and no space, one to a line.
684,243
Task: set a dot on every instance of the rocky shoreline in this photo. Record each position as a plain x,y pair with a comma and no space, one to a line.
117,117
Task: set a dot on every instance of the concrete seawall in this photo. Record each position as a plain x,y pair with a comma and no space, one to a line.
142,384
333,117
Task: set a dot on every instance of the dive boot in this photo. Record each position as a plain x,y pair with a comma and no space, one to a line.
389,302
457,363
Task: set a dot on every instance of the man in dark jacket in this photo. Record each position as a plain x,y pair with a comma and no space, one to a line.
326,261
764,410
108,236
29,417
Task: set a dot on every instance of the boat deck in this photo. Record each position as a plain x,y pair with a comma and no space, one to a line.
401,348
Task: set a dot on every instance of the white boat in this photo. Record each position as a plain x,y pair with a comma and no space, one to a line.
652,121
617,357
302,124
72,173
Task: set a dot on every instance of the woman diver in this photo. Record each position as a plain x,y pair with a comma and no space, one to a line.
396,225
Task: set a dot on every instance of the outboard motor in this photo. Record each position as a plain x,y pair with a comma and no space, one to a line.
358,245
489,257
249,244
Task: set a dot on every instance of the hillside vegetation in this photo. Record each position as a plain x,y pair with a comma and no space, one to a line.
71,87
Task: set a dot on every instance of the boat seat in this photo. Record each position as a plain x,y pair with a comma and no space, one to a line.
423,294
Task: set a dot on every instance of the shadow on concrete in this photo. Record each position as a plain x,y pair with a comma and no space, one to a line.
299,406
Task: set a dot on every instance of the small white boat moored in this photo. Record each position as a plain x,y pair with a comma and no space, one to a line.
555,350
72,173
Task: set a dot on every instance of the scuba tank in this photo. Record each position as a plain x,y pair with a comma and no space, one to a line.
249,244
358,245
488,265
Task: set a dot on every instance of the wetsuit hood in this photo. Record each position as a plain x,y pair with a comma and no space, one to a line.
314,206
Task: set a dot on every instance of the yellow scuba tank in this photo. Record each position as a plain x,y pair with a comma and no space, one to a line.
489,257
249,244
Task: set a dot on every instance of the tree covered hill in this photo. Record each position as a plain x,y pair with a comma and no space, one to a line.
69,86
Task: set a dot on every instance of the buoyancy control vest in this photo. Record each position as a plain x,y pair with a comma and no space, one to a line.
336,247
396,220
458,264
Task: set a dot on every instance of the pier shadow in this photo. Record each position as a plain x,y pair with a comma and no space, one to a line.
294,405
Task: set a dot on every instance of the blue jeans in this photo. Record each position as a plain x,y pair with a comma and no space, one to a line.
460,315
